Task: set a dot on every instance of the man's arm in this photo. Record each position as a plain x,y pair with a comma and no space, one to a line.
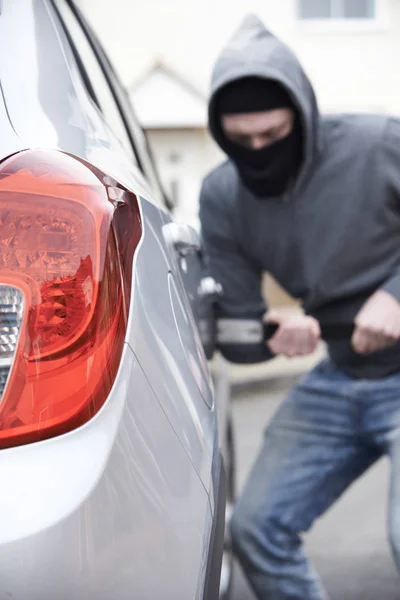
242,305
241,301
390,165
378,322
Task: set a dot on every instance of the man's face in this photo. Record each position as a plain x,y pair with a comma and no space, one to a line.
258,130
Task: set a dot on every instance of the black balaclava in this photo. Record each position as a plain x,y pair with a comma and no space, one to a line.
269,171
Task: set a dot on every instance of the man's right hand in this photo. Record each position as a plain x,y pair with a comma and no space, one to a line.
297,335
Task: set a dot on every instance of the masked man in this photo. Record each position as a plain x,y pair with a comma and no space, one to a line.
315,201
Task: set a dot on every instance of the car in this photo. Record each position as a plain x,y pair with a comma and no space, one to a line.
114,462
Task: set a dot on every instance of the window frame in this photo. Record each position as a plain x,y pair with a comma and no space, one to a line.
379,23
337,12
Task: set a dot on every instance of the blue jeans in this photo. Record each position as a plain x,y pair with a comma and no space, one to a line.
327,432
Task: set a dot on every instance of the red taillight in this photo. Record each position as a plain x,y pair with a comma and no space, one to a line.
68,234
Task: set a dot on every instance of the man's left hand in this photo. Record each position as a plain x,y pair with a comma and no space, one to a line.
377,323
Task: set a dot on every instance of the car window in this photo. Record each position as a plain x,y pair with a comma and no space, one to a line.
138,136
99,88
141,143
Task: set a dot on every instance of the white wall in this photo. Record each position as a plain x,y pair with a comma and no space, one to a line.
184,156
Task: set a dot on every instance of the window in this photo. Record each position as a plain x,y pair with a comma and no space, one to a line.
337,9
138,138
93,76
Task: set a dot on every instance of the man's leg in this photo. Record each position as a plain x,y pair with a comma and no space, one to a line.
394,501
310,455
382,424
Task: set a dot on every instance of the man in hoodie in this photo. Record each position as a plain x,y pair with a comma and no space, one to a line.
316,202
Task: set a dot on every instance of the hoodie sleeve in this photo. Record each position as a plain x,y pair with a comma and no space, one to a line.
391,166
240,309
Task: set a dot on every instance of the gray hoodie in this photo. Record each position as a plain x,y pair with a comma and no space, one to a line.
332,240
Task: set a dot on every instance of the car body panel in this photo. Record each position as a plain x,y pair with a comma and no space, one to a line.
175,380
97,512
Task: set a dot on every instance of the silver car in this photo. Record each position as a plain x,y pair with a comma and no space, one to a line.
112,483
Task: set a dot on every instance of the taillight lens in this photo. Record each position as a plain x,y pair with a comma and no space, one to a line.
68,234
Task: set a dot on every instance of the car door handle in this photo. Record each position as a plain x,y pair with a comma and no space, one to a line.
183,238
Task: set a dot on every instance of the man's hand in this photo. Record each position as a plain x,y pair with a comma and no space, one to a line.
297,335
377,323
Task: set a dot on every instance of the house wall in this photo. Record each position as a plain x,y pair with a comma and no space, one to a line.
183,156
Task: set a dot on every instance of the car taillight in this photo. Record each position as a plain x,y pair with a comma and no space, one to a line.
68,234
11,309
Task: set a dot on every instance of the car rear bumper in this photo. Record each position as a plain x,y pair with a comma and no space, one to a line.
96,513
